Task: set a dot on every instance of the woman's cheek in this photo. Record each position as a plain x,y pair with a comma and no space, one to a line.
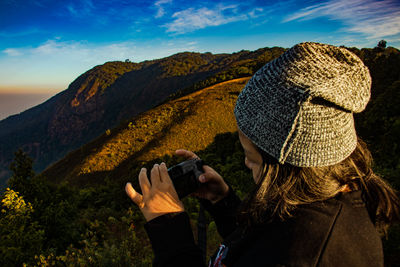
247,163
255,176
253,167
256,172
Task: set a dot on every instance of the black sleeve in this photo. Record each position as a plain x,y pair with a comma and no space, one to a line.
172,240
224,212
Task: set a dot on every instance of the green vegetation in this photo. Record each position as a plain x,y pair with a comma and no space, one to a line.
96,226
18,230
151,135
379,124
107,94
107,228
242,64
77,214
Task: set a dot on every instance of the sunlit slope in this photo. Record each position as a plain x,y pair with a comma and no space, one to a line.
107,94
189,122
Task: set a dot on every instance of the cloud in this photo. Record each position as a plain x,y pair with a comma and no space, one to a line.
72,10
160,8
374,19
83,8
82,51
57,62
193,19
28,31
67,51
256,12
12,52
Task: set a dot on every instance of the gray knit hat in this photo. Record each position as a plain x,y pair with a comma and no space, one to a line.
299,107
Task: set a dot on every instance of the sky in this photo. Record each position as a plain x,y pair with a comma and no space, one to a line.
46,44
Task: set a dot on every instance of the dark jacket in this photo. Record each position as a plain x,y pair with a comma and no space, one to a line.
335,232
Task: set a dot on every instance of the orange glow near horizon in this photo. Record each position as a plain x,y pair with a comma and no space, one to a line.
29,89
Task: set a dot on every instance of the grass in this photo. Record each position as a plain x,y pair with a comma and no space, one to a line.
189,122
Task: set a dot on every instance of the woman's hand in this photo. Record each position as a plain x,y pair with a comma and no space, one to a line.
159,197
213,187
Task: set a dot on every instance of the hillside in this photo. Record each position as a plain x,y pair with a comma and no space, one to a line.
153,133
107,94
189,122
113,159
90,221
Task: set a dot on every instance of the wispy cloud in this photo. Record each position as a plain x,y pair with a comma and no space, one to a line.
83,8
82,51
193,19
56,61
28,31
256,12
40,3
160,9
375,19
12,52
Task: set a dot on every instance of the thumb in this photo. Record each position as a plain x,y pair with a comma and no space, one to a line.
133,195
208,174
202,178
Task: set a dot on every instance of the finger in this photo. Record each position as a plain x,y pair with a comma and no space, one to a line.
209,174
144,182
155,175
208,169
186,153
133,195
164,174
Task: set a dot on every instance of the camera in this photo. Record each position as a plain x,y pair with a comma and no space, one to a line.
185,176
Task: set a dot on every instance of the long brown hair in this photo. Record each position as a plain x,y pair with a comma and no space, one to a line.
282,187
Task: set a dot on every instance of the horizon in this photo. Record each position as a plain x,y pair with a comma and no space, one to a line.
15,103
45,45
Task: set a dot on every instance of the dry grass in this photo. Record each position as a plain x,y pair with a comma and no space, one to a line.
190,122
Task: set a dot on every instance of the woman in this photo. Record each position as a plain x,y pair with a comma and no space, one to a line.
316,201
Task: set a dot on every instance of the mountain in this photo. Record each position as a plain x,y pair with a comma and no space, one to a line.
89,220
107,94
189,122
379,124
172,125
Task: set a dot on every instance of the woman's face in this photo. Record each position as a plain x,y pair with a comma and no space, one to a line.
253,159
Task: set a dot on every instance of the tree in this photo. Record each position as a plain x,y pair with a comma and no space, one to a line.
21,236
381,44
23,172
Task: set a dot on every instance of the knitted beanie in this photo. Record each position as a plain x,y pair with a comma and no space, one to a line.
299,107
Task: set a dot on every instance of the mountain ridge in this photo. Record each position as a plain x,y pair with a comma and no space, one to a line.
85,214
109,93
152,134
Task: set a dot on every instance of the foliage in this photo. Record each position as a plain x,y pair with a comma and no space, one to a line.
54,207
246,64
103,96
21,236
22,172
88,220
152,134
379,124
95,250
382,44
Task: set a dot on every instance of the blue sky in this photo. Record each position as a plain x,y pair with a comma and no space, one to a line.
46,44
